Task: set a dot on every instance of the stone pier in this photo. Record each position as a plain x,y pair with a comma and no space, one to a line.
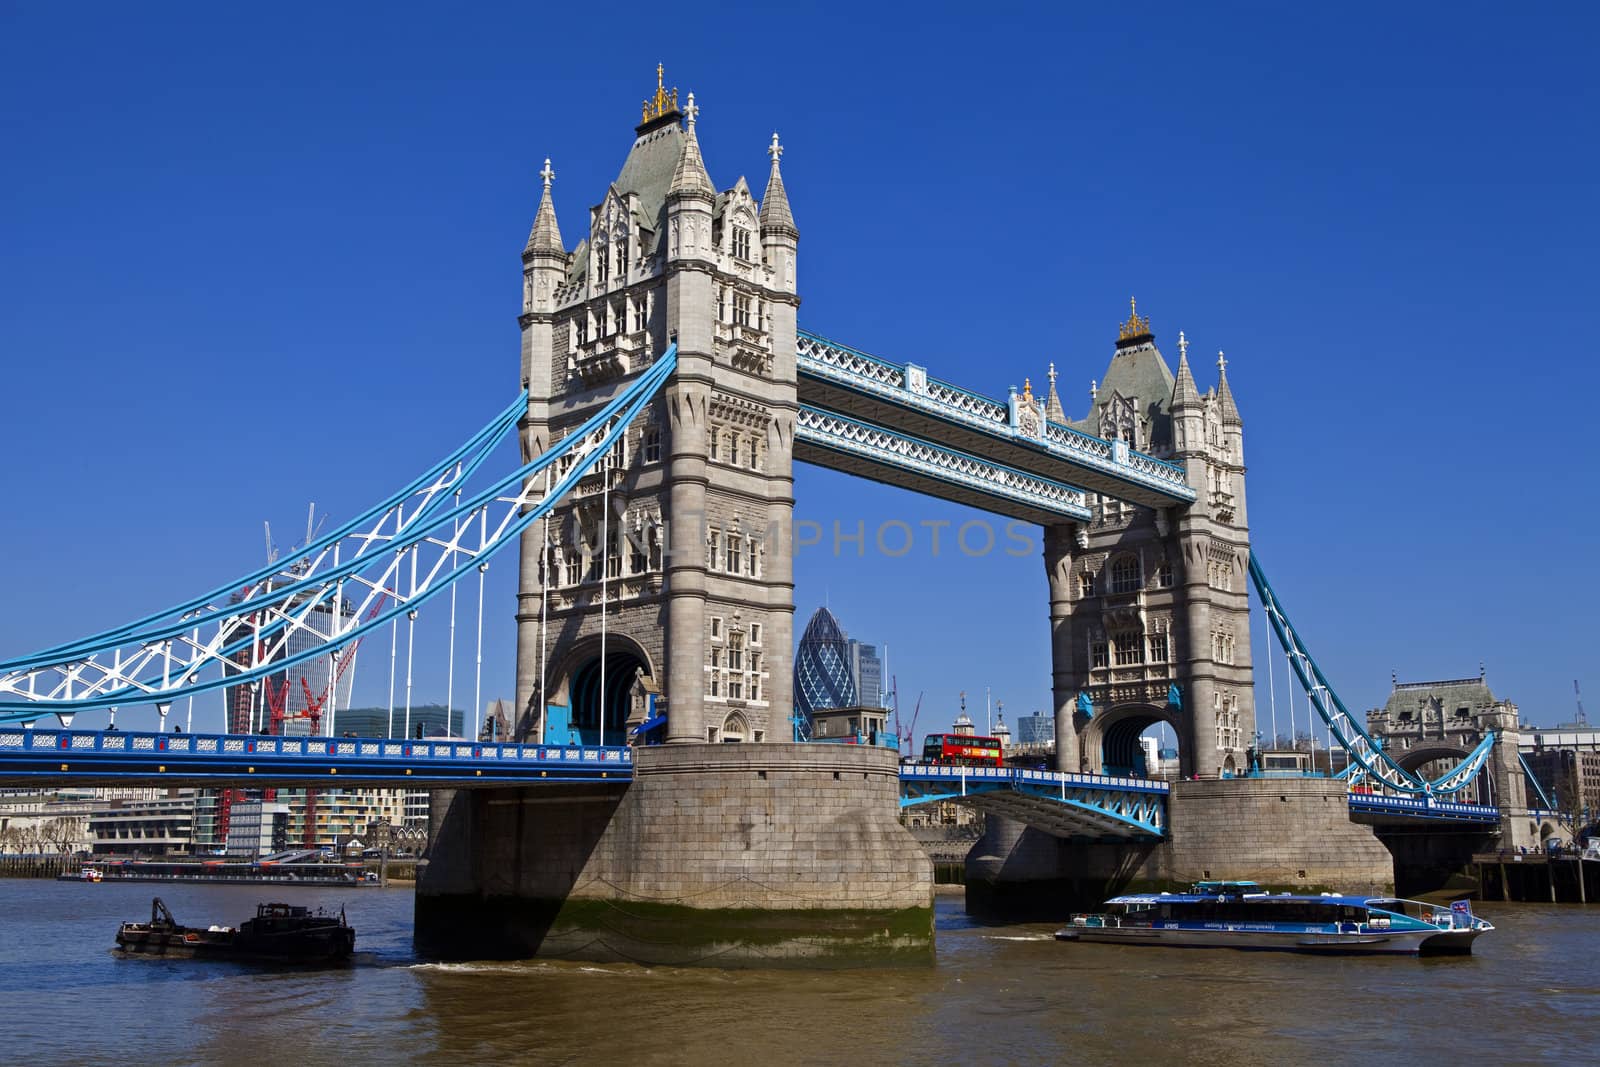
732,855
1289,833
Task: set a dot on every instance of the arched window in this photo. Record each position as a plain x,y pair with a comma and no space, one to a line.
1125,575
733,449
734,728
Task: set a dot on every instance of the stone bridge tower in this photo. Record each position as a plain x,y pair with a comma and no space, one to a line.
1150,609
693,560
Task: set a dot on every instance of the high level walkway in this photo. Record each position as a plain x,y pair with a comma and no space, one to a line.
1014,435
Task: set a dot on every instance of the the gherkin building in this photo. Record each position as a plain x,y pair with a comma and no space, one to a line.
822,668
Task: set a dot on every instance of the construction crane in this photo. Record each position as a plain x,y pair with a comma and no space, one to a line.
1583,720
908,735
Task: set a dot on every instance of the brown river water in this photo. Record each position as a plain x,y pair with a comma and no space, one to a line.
997,995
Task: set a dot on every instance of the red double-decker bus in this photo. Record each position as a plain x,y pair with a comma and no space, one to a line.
962,749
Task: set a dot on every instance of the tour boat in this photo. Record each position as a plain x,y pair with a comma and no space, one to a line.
1241,915
279,933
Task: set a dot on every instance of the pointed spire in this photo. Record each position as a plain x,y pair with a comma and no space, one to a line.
1052,403
545,235
690,177
1230,411
1184,391
775,215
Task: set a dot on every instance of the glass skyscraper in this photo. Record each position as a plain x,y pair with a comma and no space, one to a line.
822,674
866,670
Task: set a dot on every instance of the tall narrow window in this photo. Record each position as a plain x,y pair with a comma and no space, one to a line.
652,444
655,548
1097,654
1129,648
714,551
1158,648
1125,575
733,449
636,557
741,309
735,553
741,243
1085,585
1164,575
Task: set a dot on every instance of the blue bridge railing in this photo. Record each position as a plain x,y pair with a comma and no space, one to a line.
111,755
1422,807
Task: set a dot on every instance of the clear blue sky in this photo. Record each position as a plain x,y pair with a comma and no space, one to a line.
255,258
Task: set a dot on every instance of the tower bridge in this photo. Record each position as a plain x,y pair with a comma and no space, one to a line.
666,391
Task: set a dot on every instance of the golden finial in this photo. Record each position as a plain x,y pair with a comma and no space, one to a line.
1027,390
663,103
1137,327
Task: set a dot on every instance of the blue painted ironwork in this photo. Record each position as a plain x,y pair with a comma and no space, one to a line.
875,444
432,488
1533,780
1364,751
81,757
1093,805
158,659
1423,808
909,386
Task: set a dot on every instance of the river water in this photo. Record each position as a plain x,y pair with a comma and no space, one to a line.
998,994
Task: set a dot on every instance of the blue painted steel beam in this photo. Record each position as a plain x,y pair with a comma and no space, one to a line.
905,399
111,756
839,442
625,407
1102,805
1422,808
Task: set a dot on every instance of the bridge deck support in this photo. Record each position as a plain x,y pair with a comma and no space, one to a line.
1291,833
723,854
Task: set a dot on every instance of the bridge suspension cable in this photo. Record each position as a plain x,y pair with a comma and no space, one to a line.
405,551
1365,753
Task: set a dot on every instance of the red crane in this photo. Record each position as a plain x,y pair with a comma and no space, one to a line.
314,705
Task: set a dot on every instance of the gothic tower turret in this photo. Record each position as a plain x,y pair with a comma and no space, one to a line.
1148,610
696,590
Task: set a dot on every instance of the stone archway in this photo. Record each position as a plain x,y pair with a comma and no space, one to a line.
597,716
735,728
1111,739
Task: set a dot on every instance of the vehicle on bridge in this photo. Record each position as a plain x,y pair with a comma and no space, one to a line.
962,750
1240,915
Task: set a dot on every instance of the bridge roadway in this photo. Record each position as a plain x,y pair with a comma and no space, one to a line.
103,758
1100,807
1377,809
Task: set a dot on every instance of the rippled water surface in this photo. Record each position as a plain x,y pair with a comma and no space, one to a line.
1008,994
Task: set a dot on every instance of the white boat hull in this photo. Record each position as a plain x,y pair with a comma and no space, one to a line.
1375,942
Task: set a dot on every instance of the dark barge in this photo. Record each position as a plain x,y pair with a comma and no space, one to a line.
279,933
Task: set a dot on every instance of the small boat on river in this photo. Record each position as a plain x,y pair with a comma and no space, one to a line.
1241,915
279,933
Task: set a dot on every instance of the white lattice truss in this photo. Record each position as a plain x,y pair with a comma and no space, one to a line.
843,434
330,594
821,358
